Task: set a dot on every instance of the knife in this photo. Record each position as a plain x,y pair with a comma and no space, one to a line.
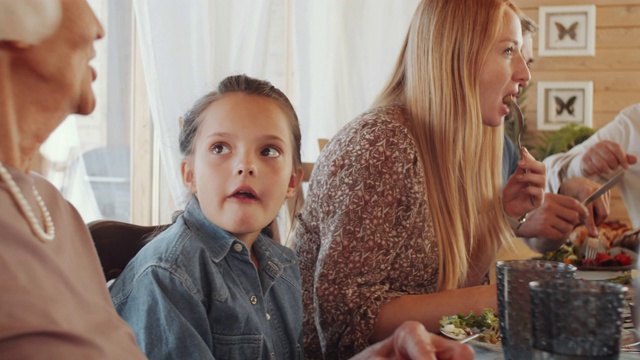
604,188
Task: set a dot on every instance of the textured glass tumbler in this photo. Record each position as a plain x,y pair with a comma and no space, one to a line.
514,301
576,319
636,300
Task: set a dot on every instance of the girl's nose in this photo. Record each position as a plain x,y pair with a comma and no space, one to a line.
248,170
246,166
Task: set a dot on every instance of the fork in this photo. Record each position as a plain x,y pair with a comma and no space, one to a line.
513,105
591,248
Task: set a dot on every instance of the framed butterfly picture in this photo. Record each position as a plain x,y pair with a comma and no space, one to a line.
564,102
567,30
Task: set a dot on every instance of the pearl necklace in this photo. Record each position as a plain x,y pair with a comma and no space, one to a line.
49,231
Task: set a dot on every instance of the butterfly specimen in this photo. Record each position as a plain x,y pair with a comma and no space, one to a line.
563,31
561,105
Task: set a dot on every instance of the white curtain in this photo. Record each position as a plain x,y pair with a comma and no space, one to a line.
331,57
345,53
175,43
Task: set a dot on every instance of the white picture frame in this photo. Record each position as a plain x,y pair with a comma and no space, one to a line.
567,30
564,102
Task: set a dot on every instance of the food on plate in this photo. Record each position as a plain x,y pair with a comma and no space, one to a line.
628,240
608,232
617,247
567,253
572,254
604,260
486,323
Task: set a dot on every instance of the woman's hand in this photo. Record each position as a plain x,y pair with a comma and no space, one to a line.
412,341
524,190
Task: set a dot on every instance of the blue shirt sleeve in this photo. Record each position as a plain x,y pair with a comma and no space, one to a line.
169,320
510,157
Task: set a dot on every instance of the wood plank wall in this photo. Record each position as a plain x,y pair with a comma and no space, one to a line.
614,70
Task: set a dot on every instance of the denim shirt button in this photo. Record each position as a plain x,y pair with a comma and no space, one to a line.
254,300
237,247
273,355
268,317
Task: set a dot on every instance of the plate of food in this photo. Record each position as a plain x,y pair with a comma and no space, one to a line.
616,248
462,326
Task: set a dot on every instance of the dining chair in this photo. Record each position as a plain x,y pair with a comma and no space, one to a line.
118,242
294,205
322,142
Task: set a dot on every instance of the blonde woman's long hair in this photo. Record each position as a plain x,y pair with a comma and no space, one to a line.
437,78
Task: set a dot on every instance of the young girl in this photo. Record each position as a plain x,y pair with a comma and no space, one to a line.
212,285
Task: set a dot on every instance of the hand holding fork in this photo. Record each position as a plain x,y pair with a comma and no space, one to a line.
515,109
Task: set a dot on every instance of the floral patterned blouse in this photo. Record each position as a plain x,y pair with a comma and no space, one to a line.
365,234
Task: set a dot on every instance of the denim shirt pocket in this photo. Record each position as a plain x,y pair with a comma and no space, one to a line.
237,346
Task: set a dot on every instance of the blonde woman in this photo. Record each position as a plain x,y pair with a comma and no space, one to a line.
405,212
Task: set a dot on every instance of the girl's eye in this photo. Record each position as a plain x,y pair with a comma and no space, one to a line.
220,149
509,51
270,152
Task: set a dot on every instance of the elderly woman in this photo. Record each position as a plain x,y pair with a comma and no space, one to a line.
53,300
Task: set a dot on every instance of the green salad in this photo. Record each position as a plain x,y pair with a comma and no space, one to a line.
486,323
567,253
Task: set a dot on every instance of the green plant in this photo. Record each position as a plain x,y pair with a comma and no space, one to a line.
562,140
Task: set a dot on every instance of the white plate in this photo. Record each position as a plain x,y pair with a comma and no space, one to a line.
598,275
474,342
488,346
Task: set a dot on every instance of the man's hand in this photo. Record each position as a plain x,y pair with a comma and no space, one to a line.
604,158
548,226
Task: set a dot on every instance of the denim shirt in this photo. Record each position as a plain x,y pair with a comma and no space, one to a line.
193,293
510,157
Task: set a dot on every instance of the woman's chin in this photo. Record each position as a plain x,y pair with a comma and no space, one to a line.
497,122
87,104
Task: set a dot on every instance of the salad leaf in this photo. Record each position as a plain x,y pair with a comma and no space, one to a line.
486,323
568,253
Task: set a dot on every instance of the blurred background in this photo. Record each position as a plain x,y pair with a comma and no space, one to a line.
331,57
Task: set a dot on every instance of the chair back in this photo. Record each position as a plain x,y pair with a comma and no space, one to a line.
322,142
294,205
118,242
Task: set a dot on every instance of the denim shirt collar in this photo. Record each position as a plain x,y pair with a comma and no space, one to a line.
264,247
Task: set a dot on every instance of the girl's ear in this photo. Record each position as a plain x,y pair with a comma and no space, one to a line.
188,177
294,182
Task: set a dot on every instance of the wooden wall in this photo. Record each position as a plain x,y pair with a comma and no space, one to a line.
614,70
